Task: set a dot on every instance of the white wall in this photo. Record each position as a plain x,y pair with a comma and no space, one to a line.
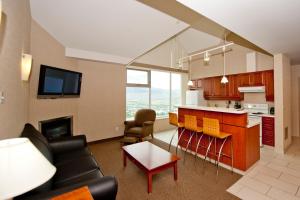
295,99
283,102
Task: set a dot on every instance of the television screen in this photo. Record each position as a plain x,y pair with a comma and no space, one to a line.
55,82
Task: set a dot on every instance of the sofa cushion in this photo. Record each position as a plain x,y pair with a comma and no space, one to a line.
96,174
69,156
74,169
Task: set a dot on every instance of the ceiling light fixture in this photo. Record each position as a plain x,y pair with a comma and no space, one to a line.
189,57
224,79
190,82
206,57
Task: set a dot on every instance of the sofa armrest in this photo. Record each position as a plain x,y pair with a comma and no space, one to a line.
148,123
101,188
66,144
129,124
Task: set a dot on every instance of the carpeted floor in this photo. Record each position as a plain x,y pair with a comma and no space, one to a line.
193,182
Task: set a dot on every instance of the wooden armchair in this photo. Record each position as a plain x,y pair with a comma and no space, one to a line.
142,125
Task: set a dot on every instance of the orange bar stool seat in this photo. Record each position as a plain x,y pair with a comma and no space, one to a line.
190,124
211,127
173,120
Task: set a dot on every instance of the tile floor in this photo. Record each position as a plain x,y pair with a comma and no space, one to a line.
274,176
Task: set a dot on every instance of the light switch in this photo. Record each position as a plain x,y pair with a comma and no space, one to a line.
2,97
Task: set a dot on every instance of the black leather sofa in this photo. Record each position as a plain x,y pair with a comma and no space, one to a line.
75,167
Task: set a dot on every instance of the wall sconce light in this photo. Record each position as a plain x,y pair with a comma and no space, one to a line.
26,66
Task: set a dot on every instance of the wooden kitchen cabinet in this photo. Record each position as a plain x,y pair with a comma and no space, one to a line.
218,89
207,87
269,84
199,83
214,90
268,130
244,79
256,79
232,91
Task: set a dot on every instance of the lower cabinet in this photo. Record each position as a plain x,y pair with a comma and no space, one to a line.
268,130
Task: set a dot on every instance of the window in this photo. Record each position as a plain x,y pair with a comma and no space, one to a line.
160,93
138,77
158,90
175,91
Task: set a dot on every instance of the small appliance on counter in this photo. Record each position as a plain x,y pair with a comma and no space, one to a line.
237,105
272,111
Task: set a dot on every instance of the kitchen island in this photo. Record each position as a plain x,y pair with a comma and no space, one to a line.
245,137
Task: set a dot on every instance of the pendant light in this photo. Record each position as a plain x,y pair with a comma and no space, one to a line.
206,57
224,79
190,82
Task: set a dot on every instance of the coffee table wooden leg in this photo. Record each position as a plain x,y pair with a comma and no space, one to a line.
124,159
175,171
149,182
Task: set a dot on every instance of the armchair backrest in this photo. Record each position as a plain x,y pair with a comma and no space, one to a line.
144,115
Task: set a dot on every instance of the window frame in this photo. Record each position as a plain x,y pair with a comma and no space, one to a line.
148,85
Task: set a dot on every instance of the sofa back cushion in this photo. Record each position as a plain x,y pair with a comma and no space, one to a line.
41,143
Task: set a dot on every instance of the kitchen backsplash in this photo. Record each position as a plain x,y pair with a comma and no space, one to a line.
248,98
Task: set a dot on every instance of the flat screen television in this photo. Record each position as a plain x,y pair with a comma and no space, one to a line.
55,83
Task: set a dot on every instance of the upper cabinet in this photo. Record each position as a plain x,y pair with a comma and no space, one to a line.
214,90
269,84
256,78
244,79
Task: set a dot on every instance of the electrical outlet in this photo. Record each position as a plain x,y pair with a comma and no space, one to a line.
2,98
117,128
286,133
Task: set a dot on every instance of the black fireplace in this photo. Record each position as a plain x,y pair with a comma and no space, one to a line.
57,128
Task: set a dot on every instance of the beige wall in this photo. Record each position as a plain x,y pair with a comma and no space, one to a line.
46,50
295,99
101,107
14,40
235,63
283,102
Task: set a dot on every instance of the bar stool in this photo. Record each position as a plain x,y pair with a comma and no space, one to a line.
211,127
173,120
190,124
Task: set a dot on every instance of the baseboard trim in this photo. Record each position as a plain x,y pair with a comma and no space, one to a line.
106,140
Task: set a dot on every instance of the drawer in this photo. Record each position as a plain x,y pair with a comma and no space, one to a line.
268,120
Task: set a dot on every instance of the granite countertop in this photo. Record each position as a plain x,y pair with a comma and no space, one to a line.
214,109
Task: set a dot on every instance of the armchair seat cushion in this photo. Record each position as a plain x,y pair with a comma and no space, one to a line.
135,132
74,169
69,156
